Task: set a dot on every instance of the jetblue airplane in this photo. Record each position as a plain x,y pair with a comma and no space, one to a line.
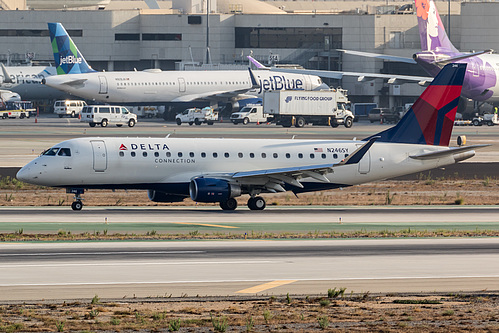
481,81
156,86
219,170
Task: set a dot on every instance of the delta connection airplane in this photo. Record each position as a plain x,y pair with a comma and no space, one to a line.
155,86
219,170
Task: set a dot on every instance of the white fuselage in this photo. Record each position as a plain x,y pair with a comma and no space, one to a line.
169,164
26,81
154,86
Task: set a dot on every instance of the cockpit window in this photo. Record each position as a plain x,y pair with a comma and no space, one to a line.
51,152
64,152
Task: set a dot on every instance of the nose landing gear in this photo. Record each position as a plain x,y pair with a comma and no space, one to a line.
77,204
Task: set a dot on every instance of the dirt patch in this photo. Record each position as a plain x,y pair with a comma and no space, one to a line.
354,312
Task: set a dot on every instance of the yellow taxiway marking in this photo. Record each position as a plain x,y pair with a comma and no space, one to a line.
265,286
208,225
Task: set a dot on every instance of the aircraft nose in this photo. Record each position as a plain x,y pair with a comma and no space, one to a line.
27,174
22,174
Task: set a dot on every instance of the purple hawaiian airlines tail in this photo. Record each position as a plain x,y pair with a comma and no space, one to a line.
431,118
431,30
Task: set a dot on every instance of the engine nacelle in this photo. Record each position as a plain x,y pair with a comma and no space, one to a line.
164,197
212,190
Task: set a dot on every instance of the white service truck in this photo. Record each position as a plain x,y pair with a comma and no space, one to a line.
197,116
299,107
489,119
251,113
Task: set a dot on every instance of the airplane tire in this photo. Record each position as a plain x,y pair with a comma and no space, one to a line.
77,205
348,122
245,121
179,122
229,204
91,124
104,123
256,203
131,123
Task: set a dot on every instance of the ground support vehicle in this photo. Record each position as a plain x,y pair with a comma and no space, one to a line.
251,113
107,114
197,116
489,119
17,109
298,108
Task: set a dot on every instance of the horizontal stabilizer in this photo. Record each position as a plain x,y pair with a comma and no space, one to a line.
448,152
461,57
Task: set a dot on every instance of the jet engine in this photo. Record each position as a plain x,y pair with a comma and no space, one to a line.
157,196
212,190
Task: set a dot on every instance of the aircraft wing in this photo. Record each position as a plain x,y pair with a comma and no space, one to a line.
392,78
273,180
379,56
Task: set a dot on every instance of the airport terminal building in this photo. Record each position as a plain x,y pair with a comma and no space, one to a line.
128,35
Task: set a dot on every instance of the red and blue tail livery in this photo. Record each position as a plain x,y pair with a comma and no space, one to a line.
431,118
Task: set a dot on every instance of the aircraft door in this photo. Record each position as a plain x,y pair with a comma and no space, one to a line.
102,84
100,155
365,164
181,84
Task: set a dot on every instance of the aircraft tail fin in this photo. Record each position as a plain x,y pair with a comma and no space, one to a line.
431,29
68,59
431,118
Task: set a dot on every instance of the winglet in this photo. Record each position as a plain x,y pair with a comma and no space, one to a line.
6,76
256,63
254,83
357,155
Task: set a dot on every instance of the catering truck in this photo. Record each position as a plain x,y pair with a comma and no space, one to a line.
298,108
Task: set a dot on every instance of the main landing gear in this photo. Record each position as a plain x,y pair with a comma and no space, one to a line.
254,203
77,204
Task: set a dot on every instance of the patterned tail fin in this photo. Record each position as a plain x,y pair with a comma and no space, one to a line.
67,57
431,30
431,118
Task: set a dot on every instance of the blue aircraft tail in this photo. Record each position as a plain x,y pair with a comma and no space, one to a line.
68,59
431,118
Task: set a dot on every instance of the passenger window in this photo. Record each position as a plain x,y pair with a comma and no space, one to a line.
112,110
124,110
275,155
191,154
288,155
64,152
312,155
144,154
300,155
203,154
104,110
252,155
118,111
215,155
180,154
264,155
240,155
133,154
323,156
335,156
226,155
156,154
122,154
168,154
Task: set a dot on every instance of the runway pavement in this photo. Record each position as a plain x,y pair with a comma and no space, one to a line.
161,269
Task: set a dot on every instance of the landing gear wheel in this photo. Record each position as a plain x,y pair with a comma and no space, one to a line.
77,205
230,204
256,203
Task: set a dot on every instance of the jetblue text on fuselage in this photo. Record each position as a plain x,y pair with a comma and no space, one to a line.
70,59
279,82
